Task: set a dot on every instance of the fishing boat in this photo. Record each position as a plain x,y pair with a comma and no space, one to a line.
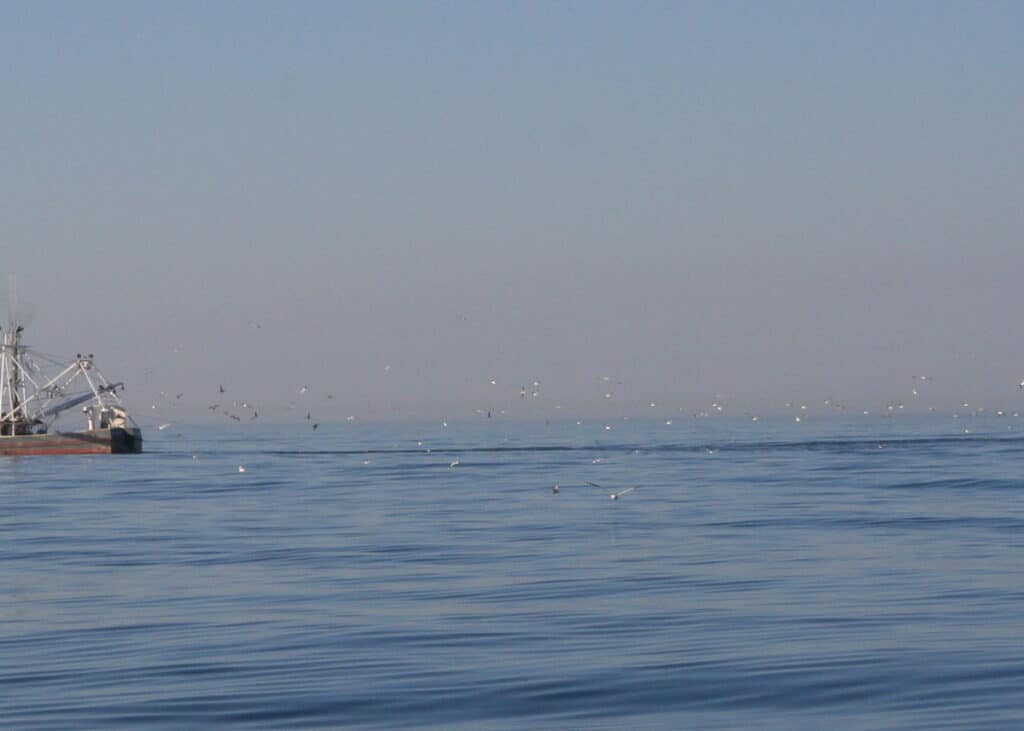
31,403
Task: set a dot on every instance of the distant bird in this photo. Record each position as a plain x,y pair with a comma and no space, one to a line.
163,426
315,427
455,463
241,468
303,389
613,495
555,489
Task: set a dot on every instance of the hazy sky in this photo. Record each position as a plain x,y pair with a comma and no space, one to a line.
751,201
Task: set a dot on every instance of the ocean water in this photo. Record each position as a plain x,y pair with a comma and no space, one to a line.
857,574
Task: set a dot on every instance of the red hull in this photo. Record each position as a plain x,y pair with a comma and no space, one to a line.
98,441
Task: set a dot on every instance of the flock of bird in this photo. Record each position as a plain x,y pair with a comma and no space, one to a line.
235,410
243,410
510,399
526,398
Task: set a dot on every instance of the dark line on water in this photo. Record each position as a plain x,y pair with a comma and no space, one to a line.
844,445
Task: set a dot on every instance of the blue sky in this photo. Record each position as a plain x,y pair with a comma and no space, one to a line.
755,201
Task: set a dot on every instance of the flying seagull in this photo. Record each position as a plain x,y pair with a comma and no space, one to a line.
613,495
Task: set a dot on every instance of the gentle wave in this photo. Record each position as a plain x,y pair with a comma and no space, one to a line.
866,580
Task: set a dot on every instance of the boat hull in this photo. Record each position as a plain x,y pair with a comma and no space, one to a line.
97,441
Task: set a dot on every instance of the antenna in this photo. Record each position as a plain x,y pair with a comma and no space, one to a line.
12,302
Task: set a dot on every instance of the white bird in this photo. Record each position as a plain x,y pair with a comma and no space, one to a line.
163,426
455,463
613,495
241,468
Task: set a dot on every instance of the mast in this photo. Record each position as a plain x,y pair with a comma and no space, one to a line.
13,385
13,420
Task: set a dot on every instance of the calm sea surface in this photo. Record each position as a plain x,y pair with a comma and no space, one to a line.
856,574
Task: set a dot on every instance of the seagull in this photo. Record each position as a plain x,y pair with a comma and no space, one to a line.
163,426
555,489
303,389
613,495
455,463
241,468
